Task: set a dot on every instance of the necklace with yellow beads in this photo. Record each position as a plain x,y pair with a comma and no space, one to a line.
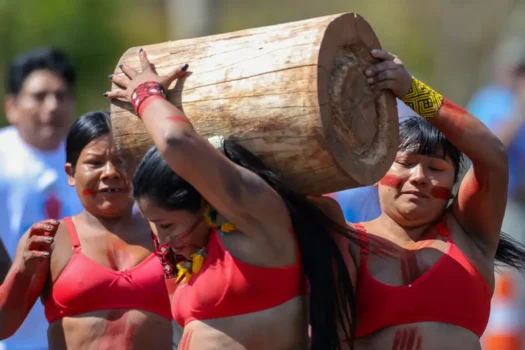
187,268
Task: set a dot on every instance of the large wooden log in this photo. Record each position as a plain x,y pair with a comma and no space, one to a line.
294,94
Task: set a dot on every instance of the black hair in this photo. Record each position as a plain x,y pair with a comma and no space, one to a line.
87,128
40,58
418,136
332,300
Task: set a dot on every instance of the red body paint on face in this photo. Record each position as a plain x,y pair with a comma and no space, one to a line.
88,193
407,339
391,181
177,241
185,342
440,192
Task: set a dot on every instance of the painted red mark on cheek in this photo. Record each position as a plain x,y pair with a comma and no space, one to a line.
391,181
179,118
407,339
88,193
185,342
440,192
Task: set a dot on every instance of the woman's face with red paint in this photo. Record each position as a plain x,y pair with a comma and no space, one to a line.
100,179
416,189
182,230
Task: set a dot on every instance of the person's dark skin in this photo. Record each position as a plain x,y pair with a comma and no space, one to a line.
258,212
111,236
414,195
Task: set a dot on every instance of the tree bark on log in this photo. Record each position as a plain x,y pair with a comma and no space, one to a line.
294,94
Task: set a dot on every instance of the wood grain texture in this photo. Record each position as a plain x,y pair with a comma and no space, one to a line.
294,94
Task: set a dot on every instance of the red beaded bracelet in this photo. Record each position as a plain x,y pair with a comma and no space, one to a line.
146,93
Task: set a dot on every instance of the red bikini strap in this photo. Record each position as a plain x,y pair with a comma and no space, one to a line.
72,231
443,231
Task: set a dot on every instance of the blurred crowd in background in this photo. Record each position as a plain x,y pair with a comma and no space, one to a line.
472,51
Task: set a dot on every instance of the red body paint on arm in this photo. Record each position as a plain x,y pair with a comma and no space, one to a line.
179,118
451,119
391,181
16,299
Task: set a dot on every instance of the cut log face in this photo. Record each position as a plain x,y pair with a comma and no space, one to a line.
294,94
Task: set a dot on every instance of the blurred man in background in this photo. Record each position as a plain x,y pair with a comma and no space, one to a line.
39,105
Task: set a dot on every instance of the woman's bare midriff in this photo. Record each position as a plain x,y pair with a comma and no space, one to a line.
420,336
283,327
117,329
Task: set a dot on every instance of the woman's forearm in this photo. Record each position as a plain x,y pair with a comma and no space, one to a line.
465,131
16,299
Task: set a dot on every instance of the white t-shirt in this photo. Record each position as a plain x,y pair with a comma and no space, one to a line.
33,187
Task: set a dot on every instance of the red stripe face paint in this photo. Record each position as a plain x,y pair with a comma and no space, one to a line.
440,192
391,181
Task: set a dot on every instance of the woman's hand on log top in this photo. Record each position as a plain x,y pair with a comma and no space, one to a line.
133,79
389,74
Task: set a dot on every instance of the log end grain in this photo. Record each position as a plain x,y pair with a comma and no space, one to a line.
360,125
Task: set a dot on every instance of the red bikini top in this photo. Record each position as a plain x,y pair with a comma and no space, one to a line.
226,286
85,285
452,291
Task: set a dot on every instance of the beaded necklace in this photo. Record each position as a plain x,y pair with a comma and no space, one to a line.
187,268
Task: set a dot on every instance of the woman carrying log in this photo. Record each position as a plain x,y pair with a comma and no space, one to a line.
100,283
435,292
246,243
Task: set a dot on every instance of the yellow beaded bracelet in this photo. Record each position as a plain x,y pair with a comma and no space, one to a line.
423,100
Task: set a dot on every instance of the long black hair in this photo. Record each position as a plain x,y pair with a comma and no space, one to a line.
332,300
418,136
